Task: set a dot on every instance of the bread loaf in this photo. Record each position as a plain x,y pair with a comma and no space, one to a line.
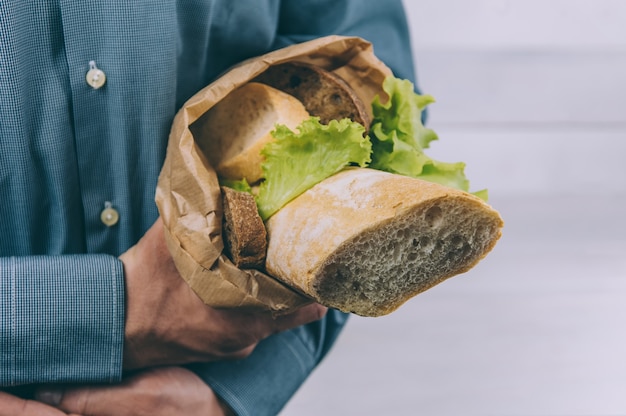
366,241
233,132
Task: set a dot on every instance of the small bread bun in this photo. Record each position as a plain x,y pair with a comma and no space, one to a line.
234,131
366,241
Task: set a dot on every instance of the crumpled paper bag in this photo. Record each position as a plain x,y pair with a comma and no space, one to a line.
188,194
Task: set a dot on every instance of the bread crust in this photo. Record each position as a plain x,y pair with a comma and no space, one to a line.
323,93
245,236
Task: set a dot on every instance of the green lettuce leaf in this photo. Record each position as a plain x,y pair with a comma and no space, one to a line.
399,138
294,162
240,185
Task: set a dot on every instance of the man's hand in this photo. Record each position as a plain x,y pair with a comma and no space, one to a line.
14,406
154,392
167,323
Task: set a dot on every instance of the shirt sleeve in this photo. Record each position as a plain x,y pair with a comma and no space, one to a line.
61,319
264,382
383,23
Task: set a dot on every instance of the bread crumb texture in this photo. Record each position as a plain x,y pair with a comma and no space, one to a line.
377,271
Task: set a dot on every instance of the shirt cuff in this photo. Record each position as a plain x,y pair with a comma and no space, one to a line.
61,319
263,383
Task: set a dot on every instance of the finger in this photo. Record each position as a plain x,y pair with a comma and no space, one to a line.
163,391
14,406
88,400
307,314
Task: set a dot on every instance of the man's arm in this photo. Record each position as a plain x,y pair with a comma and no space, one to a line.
264,382
167,323
63,318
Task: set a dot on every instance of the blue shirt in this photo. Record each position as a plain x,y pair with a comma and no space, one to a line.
68,150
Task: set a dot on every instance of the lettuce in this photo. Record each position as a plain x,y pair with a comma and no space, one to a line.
241,185
399,138
294,162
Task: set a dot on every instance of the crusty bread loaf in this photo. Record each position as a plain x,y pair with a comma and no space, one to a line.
366,241
361,241
323,93
233,132
245,237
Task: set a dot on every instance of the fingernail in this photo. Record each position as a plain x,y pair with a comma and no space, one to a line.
51,396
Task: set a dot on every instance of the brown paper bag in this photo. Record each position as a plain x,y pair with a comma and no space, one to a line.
188,194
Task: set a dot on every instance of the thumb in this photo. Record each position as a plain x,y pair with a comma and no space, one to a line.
12,405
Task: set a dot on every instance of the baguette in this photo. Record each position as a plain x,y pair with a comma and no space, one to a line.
365,241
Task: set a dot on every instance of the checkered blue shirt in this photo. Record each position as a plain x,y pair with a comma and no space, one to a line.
68,151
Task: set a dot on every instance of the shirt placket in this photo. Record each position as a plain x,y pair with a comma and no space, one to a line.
87,45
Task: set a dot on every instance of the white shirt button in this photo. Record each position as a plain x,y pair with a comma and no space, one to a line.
109,215
95,77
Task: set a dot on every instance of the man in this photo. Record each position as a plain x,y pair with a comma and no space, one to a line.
88,292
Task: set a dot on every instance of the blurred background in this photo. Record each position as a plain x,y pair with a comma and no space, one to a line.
531,94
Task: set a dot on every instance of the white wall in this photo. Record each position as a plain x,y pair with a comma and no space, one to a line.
530,93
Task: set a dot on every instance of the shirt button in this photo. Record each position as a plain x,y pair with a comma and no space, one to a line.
95,77
109,215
